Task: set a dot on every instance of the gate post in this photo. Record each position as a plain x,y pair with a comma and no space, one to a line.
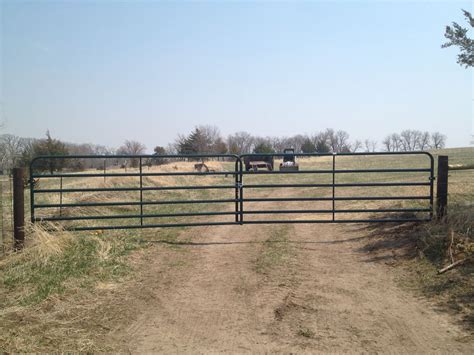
442,187
18,208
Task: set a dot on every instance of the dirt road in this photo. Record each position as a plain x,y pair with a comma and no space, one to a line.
287,289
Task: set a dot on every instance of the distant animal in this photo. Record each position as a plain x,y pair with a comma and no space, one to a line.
201,167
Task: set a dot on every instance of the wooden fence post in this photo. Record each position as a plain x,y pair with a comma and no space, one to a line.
18,208
442,187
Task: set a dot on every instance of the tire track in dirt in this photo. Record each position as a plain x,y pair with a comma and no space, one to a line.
209,305
329,298
344,303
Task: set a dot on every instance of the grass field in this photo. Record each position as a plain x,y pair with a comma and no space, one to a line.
57,263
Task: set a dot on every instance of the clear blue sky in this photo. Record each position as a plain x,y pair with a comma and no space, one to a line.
103,71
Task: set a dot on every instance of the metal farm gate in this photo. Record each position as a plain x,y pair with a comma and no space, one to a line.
147,191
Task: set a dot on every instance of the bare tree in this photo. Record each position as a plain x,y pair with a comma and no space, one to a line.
410,140
354,147
240,143
338,141
331,139
371,146
132,148
438,140
296,142
11,148
213,142
397,142
321,142
387,143
424,141
280,143
171,149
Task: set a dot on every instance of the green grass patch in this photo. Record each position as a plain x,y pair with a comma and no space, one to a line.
276,251
306,332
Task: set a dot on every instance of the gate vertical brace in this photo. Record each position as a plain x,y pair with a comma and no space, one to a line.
333,187
442,187
237,187
32,194
141,192
61,196
241,192
18,208
432,179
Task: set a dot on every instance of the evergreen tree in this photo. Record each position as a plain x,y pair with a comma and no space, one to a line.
322,147
263,148
457,36
308,146
45,147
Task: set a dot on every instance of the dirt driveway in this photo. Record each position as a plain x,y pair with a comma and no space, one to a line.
287,289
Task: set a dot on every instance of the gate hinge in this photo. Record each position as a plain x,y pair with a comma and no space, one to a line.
239,185
432,178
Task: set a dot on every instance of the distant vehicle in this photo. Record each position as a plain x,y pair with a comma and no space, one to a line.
255,162
289,161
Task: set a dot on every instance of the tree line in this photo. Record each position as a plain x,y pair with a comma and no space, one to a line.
207,139
18,151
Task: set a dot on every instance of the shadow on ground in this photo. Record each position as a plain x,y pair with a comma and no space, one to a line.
402,245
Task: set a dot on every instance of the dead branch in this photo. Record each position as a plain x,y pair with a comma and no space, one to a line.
450,249
453,265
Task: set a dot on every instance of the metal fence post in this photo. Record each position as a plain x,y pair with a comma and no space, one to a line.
18,208
442,187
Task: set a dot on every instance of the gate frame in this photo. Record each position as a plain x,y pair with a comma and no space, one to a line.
333,198
239,187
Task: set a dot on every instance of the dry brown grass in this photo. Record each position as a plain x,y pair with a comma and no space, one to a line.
51,287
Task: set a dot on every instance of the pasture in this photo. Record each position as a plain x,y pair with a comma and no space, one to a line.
259,287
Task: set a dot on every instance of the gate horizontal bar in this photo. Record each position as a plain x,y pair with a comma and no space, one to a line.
131,203
391,210
162,225
179,157
158,215
388,220
330,171
157,188
134,174
357,198
373,184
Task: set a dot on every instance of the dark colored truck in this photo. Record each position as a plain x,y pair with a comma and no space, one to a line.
254,162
